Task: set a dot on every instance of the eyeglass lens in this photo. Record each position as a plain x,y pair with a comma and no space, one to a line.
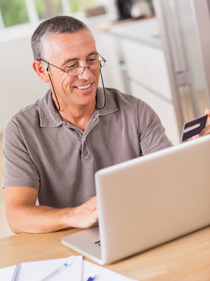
79,70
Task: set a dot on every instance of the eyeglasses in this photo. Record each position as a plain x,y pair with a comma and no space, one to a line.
72,70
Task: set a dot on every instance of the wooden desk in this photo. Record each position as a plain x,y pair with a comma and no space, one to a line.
187,258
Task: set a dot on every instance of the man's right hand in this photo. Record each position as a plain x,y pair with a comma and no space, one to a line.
24,216
86,215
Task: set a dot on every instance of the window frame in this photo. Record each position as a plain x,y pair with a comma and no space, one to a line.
34,16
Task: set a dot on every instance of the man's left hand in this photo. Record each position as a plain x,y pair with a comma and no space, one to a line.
206,130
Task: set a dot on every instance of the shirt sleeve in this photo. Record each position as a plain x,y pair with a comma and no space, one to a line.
19,169
152,133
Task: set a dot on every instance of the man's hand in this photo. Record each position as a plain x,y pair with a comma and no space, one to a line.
86,215
206,130
24,216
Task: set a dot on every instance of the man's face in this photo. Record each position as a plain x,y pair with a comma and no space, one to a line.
67,50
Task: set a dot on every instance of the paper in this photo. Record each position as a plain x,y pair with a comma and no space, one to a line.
6,273
101,273
36,271
79,270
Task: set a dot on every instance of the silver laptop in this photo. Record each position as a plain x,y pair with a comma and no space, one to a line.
148,201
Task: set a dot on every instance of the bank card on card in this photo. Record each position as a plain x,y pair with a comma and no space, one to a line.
193,127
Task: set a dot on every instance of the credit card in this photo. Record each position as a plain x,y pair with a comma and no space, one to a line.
193,127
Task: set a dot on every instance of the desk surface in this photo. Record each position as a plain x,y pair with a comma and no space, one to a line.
187,258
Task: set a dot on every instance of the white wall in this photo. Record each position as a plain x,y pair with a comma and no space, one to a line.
19,84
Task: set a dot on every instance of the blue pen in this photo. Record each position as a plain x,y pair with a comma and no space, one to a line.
91,278
57,271
16,273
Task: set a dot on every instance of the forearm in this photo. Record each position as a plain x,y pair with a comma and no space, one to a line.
42,219
38,219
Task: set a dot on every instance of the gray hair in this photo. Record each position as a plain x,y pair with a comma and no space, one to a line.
55,25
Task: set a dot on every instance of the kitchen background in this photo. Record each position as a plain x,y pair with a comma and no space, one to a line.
156,50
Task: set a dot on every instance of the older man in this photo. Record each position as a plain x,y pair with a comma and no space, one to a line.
54,147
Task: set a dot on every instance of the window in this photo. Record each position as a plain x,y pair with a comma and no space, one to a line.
79,5
48,8
13,12
16,12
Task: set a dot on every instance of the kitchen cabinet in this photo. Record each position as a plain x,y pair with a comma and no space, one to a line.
112,72
148,80
146,65
162,107
139,50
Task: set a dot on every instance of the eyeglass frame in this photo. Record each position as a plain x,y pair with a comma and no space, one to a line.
83,67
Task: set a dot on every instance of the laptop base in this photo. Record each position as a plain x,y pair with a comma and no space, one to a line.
85,242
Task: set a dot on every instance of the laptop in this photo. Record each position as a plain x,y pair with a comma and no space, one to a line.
148,201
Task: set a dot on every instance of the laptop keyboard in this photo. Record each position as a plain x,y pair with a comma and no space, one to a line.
98,243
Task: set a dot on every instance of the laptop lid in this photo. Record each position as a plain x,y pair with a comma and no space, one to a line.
150,200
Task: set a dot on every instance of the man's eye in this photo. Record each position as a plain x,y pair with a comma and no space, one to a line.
71,66
92,60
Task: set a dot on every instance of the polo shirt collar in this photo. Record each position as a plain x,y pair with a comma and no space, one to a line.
49,116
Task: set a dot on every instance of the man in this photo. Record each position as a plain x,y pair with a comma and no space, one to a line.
54,147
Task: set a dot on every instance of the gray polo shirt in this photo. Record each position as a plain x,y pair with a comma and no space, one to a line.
44,152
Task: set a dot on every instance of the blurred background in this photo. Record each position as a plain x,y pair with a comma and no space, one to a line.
157,50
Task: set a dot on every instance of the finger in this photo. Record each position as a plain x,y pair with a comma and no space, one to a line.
207,111
205,131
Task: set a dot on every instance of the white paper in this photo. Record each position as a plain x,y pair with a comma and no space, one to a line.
6,273
101,273
79,270
36,271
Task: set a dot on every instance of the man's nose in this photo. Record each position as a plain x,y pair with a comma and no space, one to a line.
86,73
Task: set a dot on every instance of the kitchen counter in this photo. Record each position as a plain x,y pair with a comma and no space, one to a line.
145,31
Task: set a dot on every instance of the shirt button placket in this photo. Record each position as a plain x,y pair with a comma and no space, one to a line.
86,157
85,152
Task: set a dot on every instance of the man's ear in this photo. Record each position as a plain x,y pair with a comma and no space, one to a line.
40,70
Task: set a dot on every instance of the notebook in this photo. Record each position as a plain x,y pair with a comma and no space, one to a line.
148,201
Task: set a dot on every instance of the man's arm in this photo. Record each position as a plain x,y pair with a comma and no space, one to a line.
24,216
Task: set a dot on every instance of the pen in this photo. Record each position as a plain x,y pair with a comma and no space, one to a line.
57,271
16,273
91,278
